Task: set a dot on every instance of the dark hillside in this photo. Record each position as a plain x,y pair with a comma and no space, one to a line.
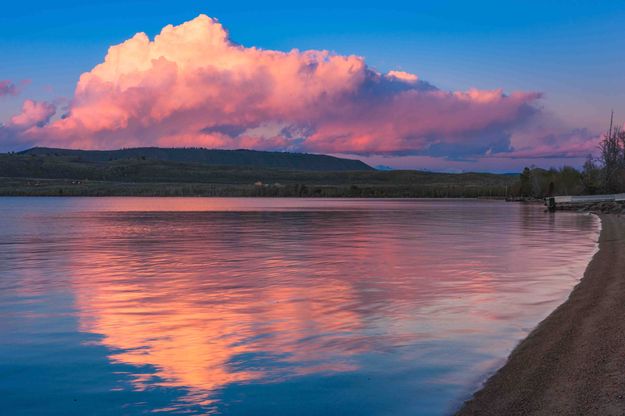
246,158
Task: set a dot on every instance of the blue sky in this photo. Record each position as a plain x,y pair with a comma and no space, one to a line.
569,50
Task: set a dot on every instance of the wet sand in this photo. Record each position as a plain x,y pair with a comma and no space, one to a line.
573,363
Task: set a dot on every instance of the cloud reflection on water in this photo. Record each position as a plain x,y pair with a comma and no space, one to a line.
203,299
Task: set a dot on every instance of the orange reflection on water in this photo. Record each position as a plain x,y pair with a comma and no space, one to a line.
191,336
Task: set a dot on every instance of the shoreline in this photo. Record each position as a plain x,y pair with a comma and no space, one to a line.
572,362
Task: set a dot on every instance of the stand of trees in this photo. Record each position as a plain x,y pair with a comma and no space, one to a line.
539,183
605,174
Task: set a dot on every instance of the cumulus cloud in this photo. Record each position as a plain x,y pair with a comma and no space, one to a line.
26,126
34,113
192,86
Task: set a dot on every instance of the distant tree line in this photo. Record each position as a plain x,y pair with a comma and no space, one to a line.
66,187
603,174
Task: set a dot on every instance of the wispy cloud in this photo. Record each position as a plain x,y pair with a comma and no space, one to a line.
10,88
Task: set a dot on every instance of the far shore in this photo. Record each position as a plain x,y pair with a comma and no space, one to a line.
573,362
412,188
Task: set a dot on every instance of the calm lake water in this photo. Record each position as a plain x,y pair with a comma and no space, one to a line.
114,306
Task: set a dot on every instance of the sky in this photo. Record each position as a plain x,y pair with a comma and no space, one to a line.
443,86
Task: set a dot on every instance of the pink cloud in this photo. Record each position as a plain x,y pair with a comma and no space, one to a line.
28,124
34,114
404,76
191,86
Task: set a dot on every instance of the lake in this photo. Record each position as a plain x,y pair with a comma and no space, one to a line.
233,306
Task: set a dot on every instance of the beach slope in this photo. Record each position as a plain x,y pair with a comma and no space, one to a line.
573,363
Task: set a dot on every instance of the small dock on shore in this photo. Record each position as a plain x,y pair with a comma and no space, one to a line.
573,200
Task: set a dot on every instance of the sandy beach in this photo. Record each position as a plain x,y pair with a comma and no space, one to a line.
573,363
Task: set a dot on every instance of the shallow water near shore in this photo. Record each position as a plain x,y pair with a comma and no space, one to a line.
271,306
